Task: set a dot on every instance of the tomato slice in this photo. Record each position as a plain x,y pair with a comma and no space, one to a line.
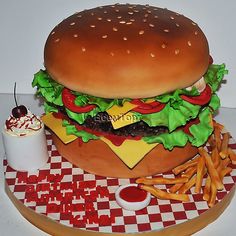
147,108
68,100
186,128
202,99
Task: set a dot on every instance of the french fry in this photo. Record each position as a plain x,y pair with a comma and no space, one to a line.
164,195
161,180
225,171
225,162
232,156
224,146
188,174
207,189
217,135
222,174
212,199
175,188
211,169
212,141
184,166
188,185
200,172
215,157
220,126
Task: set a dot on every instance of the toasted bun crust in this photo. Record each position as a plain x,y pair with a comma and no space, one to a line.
127,50
97,158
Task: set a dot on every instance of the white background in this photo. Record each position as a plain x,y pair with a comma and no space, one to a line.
25,25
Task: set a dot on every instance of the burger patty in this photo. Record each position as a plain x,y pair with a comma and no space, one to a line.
101,122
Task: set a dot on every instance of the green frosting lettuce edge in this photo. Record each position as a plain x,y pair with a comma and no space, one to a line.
176,113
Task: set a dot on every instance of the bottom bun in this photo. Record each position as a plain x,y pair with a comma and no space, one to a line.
97,158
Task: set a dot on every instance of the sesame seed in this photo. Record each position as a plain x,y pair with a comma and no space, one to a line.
56,40
79,16
151,25
194,23
163,45
130,13
105,12
104,36
128,51
172,18
146,15
136,11
72,23
125,39
149,11
152,54
196,33
129,23
144,20
177,24
155,16
92,26
176,51
83,49
132,20
117,10
114,29
92,14
166,30
99,18
75,35
113,6
189,43
122,22
141,32
109,20
53,32
119,17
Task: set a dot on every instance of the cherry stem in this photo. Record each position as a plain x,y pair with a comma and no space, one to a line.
15,94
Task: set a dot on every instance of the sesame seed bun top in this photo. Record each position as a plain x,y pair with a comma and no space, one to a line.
132,51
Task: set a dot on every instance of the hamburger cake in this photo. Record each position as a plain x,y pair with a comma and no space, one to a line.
129,90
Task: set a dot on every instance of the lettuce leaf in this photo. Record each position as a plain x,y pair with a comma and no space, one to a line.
71,129
177,138
171,117
214,76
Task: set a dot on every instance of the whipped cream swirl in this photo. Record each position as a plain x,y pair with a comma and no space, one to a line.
25,125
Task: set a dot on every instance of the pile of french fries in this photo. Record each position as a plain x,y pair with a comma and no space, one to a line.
213,165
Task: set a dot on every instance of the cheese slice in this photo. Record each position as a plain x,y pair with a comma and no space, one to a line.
117,111
130,152
127,119
56,126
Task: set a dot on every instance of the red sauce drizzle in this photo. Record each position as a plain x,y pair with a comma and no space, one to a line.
13,123
133,194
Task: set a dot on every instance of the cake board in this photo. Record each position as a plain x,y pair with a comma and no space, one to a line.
93,197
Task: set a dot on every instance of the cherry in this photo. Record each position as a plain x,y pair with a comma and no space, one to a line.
19,111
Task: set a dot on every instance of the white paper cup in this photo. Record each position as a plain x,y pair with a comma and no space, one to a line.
26,153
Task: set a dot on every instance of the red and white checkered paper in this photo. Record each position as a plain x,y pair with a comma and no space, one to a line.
159,213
